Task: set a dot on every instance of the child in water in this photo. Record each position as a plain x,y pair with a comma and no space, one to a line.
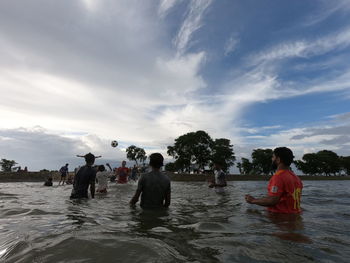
102,177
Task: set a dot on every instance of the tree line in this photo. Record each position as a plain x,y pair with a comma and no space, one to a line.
322,163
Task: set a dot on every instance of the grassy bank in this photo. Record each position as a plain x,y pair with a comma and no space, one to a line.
28,176
42,176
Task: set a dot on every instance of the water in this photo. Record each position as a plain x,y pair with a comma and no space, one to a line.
40,224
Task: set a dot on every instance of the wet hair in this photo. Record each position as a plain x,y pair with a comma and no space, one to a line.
67,164
89,158
285,154
101,168
156,160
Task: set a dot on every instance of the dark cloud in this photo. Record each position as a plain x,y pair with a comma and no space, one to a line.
340,130
340,140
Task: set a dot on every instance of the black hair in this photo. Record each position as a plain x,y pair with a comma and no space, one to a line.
156,160
89,158
285,154
101,168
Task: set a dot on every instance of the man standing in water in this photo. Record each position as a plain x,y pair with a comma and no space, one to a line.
154,187
284,189
64,173
86,176
219,181
123,173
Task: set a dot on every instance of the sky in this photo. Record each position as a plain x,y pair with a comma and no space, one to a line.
75,75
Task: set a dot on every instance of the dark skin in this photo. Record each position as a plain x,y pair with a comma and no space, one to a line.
137,194
92,184
268,200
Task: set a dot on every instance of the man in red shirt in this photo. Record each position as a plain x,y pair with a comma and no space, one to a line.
123,174
284,189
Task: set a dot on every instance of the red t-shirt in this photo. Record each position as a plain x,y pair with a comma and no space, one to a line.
288,186
123,175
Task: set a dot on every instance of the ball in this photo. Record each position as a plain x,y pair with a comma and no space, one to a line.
114,143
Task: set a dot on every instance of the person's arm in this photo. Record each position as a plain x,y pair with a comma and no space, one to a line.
135,198
92,189
167,198
110,168
138,192
265,201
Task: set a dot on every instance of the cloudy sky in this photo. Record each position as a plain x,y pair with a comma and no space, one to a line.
75,75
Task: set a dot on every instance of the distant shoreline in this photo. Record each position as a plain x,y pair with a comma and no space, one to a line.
42,176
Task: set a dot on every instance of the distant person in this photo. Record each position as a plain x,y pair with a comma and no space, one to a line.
113,177
64,173
85,177
48,182
19,169
284,189
25,169
134,172
219,181
102,178
154,187
123,173
70,179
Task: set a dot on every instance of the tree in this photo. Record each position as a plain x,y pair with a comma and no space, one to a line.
309,164
239,166
323,162
191,148
247,166
222,153
170,167
6,165
329,162
134,153
345,164
262,161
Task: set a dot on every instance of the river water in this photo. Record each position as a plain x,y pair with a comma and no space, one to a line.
41,224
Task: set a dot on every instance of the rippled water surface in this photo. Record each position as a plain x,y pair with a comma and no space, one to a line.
41,224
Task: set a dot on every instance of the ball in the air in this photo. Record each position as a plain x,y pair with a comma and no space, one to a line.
114,143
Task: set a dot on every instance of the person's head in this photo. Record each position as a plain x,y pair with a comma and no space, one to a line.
282,155
89,158
217,166
156,160
67,164
101,168
123,163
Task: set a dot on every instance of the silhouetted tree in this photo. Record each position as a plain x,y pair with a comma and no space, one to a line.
261,159
247,166
6,165
222,153
134,153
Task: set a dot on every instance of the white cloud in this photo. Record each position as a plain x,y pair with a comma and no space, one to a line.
231,44
165,6
191,24
325,10
304,48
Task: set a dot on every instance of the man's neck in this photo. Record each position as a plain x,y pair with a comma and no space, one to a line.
155,169
282,166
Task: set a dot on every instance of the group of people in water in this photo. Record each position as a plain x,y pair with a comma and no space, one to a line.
154,187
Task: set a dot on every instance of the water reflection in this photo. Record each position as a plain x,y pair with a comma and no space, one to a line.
148,219
291,225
